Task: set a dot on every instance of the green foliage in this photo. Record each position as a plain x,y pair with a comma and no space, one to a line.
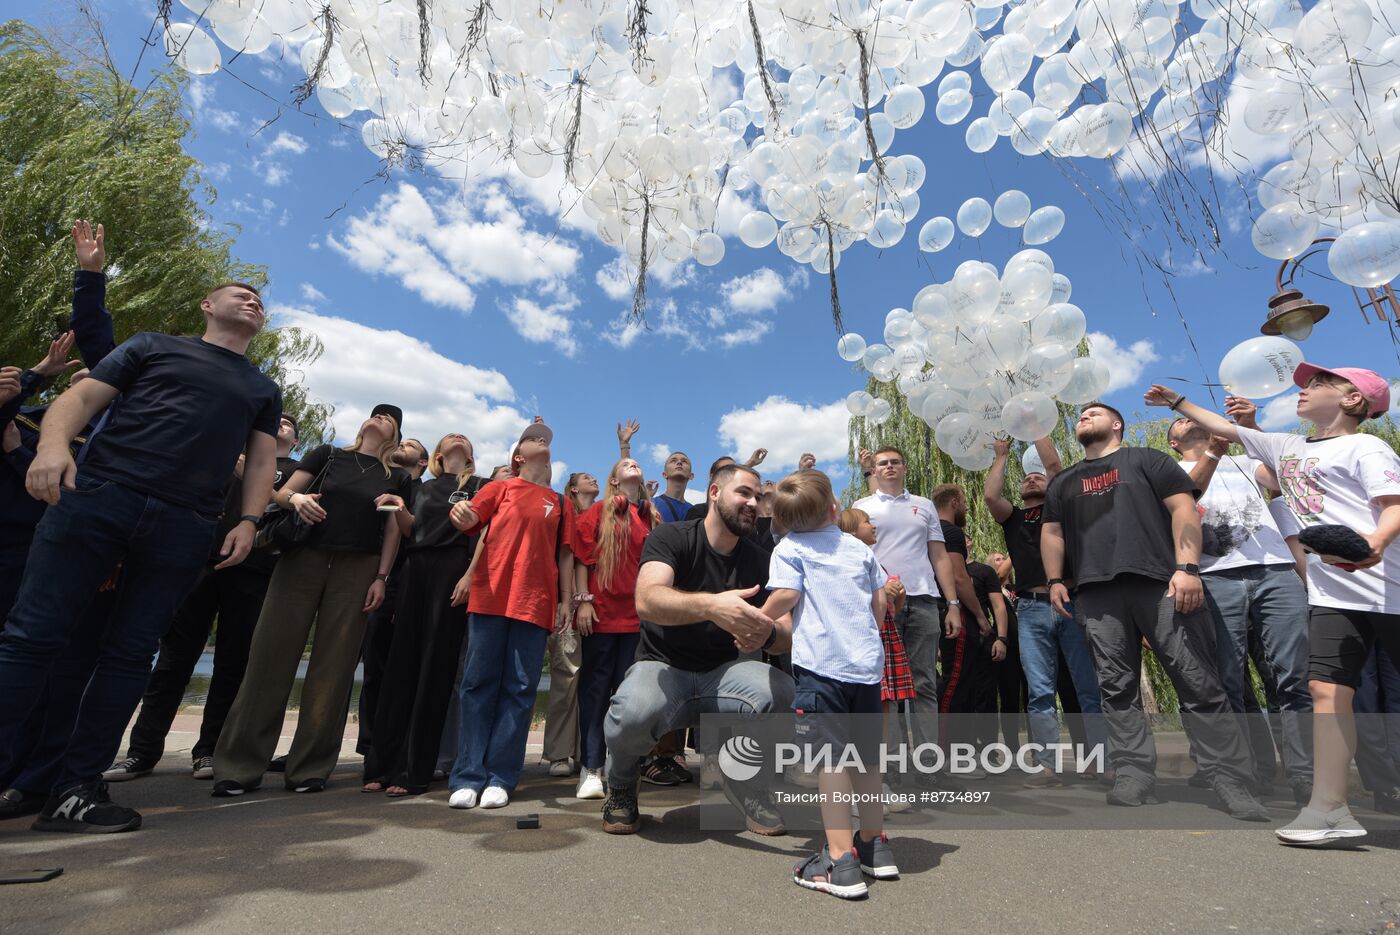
77,140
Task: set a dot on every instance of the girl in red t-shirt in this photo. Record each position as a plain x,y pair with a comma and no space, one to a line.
608,554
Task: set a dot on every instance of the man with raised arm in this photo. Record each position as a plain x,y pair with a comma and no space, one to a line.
149,495
1126,520
1043,634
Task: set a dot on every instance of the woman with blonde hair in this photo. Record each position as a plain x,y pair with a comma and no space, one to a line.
608,554
429,628
561,733
353,500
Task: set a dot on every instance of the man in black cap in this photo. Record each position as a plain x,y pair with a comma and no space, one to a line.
233,595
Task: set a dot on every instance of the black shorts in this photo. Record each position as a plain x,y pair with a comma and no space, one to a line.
1340,641
836,713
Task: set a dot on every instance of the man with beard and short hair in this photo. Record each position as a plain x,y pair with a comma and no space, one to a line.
1126,520
412,456
698,595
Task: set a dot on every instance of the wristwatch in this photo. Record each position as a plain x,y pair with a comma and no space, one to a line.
1189,568
1054,581
772,638
1001,639
954,602
250,518
583,597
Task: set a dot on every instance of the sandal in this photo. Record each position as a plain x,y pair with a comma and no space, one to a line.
398,792
373,786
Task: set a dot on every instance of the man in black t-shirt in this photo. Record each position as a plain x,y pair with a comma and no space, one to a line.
235,597
1042,635
966,656
1126,520
149,494
698,595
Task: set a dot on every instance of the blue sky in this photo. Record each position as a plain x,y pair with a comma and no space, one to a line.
474,307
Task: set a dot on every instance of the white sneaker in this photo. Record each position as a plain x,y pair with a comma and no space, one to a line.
561,768
1313,828
710,777
893,804
463,798
495,797
590,784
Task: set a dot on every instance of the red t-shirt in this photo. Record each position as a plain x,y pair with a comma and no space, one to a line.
518,574
616,605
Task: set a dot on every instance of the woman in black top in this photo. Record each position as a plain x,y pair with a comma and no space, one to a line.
354,499
429,628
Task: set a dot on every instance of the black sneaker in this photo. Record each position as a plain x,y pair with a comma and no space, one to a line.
86,809
620,812
133,767
1302,790
760,812
228,788
876,858
1261,785
1238,801
1130,792
836,877
307,786
941,782
1199,780
1387,801
16,803
278,764
665,771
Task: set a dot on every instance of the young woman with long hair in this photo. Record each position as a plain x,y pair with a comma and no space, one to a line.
608,553
429,628
561,733
332,578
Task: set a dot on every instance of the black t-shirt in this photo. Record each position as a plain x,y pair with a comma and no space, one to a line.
1113,517
260,560
985,583
954,539
699,647
348,490
431,507
1022,531
184,414
762,535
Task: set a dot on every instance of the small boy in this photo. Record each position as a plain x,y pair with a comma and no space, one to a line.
832,584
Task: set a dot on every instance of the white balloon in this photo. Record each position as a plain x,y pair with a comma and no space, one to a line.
850,347
192,49
936,234
981,135
1283,231
878,412
974,217
959,434
1012,208
1029,416
1260,367
858,403
757,229
1043,225
1368,255
708,249
1061,323
1087,381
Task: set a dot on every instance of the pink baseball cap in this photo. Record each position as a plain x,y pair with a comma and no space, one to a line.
1371,384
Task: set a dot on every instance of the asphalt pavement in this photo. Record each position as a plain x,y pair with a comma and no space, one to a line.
345,861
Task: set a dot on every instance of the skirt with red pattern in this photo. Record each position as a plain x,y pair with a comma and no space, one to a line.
898,683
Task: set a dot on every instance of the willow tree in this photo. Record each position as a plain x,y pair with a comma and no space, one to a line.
78,140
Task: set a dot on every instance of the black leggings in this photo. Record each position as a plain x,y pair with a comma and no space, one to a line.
1340,641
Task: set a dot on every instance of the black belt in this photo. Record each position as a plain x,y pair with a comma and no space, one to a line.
1032,596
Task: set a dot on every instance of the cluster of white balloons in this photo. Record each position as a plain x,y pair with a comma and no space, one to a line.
1326,83
987,353
1012,209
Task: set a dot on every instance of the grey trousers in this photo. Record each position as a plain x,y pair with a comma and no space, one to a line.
655,698
920,625
1117,615
561,709
309,586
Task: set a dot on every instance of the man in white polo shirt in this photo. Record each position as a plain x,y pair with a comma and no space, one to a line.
909,544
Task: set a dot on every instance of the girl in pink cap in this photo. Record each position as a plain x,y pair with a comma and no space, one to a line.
1335,476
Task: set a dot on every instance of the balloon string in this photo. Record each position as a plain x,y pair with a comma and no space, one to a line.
639,297
762,60
303,91
831,262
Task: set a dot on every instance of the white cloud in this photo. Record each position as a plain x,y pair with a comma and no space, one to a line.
441,251
1281,412
275,175
786,429
759,291
659,453
545,324
311,294
286,143
363,366
1125,364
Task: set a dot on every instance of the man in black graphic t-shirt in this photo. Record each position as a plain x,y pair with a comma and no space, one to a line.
1126,520
148,494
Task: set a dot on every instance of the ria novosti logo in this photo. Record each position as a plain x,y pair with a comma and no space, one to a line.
741,758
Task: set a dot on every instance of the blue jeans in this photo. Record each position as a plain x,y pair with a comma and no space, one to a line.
1043,635
499,683
79,541
1272,600
606,659
1378,728
655,699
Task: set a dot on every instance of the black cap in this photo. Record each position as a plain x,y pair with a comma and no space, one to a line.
393,412
288,417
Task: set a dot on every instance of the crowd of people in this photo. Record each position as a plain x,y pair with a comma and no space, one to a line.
167,491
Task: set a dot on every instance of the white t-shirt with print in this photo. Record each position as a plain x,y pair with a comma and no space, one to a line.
904,526
1237,529
1334,481
834,631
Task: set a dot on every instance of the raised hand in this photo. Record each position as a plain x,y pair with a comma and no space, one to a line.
1158,395
1218,446
866,459
91,250
9,383
1242,411
626,431
1001,447
652,488
54,361
757,457
807,462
